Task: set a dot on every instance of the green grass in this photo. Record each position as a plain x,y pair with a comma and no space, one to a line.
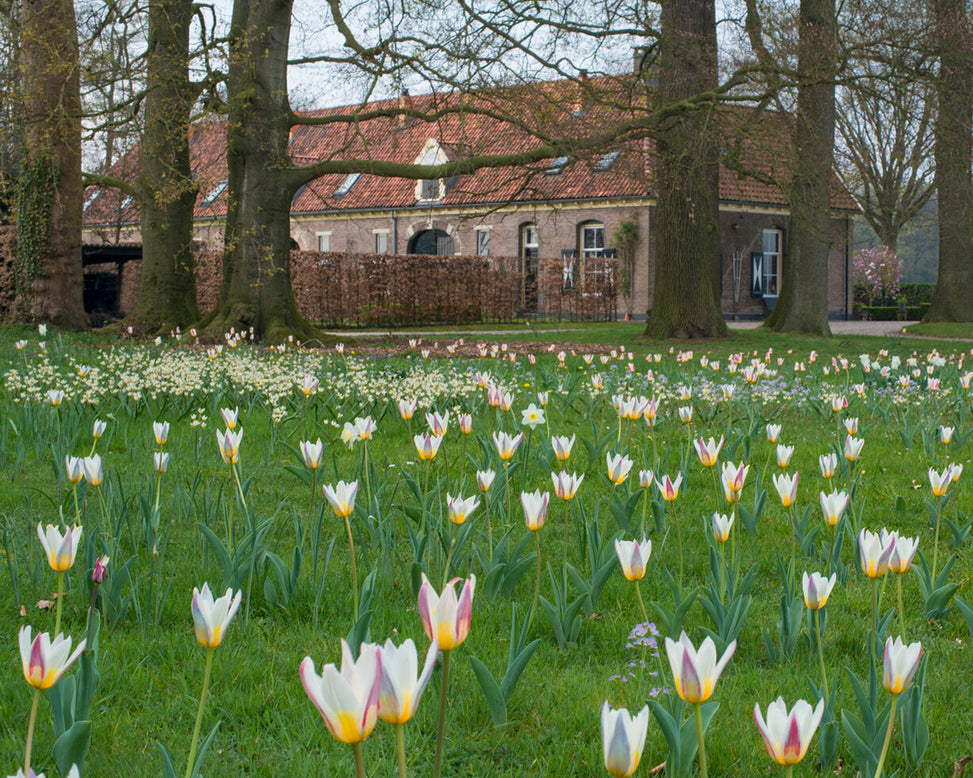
959,330
151,665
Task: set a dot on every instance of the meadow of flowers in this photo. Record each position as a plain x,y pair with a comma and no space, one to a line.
240,561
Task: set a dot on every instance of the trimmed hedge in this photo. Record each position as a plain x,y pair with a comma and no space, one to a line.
891,312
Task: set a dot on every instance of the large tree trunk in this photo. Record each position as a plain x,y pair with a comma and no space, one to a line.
803,303
686,302
167,192
49,284
256,290
952,300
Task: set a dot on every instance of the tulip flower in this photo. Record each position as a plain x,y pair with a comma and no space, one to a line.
342,497
875,551
460,509
161,431
94,473
709,451
427,445
365,428
211,617
543,398
446,618
695,674
646,479
955,471
98,429
507,444
98,573
940,481
784,454
562,446
633,556
946,435
230,417
401,685
506,401
787,734
817,589
438,423
773,433
565,486
685,413
532,416
899,665
73,469
668,488
853,448
787,488
535,508
828,463
72,773
55,397
484,479
229,445
623,739
734,477
722,524
618,468
309,385
466,423
312,453
347,700
903,551
832,506
407,408
61,550
44,661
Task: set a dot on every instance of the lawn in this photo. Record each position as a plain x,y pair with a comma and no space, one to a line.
552,636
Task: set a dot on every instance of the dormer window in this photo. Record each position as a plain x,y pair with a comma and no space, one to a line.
215,192
347,184
431,190
556,166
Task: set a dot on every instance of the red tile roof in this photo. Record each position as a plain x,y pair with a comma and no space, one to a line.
555,109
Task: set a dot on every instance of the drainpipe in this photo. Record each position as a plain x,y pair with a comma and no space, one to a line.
395,232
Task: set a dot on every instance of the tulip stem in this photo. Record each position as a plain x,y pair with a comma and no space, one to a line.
104,512
898,584
638,592
888,737
60,597
817,634
449,557
354,566
935,548
437,763
77,508
537,581
359,759
699,739
789,771
400,748
30,729
199,713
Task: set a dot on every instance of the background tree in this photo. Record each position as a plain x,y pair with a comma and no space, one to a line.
886,113
954,163
685,302
47,273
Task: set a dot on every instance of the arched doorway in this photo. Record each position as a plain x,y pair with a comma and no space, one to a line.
435,242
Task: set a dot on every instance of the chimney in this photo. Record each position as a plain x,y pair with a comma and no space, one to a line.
581,94
405,104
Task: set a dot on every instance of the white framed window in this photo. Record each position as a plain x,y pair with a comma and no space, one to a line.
381,241
773,243
592,239
432,189
324,241
483,241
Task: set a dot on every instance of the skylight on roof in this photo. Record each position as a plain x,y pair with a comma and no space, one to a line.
606,161
92,197
347,184
125,203
215,192
556,166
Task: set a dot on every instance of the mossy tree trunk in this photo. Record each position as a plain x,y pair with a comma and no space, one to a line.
167,192
803,302
256,288
952,300
49,284
686,301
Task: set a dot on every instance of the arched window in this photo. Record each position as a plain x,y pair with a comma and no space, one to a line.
435,242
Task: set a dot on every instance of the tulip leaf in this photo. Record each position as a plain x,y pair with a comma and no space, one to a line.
203,748
167,766
491,692
72,746
517,667
966,610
